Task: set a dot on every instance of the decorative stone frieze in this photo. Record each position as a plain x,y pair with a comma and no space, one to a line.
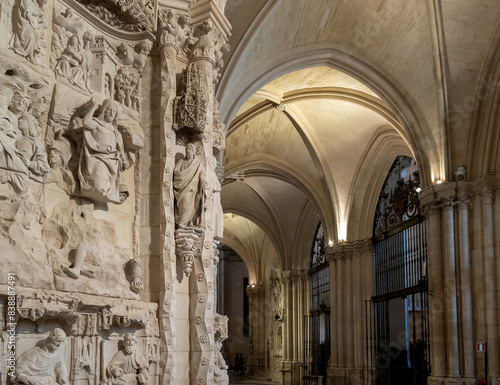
131,16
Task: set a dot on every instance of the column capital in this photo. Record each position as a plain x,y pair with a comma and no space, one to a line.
463,199
448,202
431,208
487,194
339,251
289,276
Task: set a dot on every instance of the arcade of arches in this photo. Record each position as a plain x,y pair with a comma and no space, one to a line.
314,184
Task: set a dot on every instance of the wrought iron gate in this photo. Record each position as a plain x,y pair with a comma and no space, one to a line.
401,278
316,348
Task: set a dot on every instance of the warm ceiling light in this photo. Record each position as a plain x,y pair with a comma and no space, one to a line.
418,190
439,181
330,243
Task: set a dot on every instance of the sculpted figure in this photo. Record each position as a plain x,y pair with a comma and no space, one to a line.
189,178
137,56
102,157
74,64
218,214
168,33
38,365
59,154
31,149
128,366
12,168
28,16
185,35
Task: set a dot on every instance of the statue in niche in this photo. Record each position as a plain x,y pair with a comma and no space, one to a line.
189,177
73,66
128,366
31,149
38,365
213,183
12,168
28,18
102,158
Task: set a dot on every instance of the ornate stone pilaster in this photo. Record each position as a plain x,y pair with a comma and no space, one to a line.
168,70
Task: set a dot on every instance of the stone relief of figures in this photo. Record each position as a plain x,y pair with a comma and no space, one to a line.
29,21
219,131
102,156
73,66
220,334
128,76
128,366
30,147
177,32
59,155
189,178
12,169
38,364
66,24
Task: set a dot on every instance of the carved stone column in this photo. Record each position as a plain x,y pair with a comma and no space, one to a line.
432,212
256,296
344,313
287,365
332,262
450,289
488,195
465,284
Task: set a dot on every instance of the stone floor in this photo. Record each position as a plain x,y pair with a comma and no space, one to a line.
245,380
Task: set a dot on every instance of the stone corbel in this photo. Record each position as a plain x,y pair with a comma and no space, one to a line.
187,243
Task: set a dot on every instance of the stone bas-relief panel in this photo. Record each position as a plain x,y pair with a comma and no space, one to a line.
70,133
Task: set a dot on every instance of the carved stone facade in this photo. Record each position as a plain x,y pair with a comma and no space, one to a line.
94,269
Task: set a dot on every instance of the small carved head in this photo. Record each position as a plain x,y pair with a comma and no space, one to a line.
129,342
55,339
144,47
89,37
108,111
74,41
20,103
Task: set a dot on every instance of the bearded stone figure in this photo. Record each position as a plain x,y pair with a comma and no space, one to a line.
189,178
128,366
102,158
